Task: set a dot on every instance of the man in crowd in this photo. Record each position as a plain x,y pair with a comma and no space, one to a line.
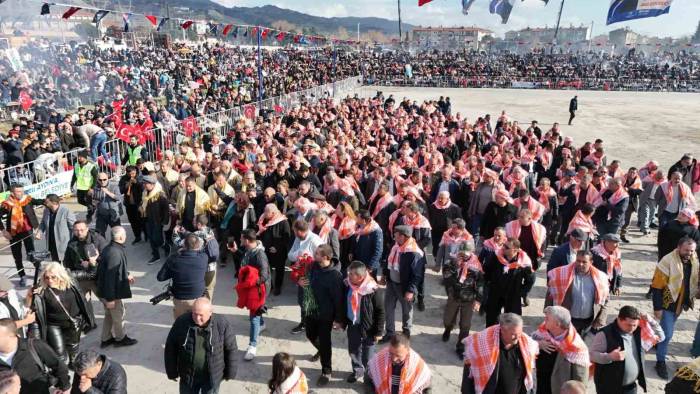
19,225
82,255
500,359
33,360
563,354
421,232
565,253
209,246
497,213
398,369
632,183
608,258
305,244
365,318
113,285
583,290
673,288
85,179
132,191
506,274
96,373
254,256
107,202
192,201
402,273
573,107
155,211
672,197
369,243
441,213
533,239
326,282
185,270
618,351
201,350
57,225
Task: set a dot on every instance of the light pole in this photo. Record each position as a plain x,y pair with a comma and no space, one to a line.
358,32
556,31
400,36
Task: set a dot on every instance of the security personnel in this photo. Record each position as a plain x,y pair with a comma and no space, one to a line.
134,152
84,179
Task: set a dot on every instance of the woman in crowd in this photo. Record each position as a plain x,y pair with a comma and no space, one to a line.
287,378
275,234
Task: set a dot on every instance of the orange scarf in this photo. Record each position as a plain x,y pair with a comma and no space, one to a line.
560,279
545,195
635,185
618,196
533,206
522,260
648,336
264,223
472,263
585,223
437,204
324,231
415,375
686,195
368,286
371,227
419,221
16,209
409,246
572,345
614,260
345,227
491,245
539,233
448,239
481,354
381,204
591,195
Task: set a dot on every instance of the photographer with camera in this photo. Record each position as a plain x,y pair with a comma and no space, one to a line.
61,312
81,256
210,246
186,270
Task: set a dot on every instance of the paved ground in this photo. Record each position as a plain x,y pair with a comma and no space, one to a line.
658,123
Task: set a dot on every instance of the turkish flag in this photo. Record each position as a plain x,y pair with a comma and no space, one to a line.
264,33
190,126
187,24
152,19
278,109
25,100
118,115
280,36
249,111
125,132
227,29
70,12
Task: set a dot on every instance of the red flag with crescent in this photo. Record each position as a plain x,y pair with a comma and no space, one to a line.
190,126
249,111
25,100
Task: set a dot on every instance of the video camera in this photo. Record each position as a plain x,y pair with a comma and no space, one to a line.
164,296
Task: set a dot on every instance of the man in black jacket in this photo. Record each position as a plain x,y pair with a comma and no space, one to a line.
156,213
365,318
114,285
186,270
95,373
33,378
326,282
573,107
80,257
201,350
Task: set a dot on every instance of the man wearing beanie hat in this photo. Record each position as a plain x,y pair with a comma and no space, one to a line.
402,273
464,282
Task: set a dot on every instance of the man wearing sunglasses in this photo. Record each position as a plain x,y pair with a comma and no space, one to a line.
107,202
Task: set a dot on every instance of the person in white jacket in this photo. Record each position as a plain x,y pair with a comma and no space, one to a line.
12,308
305,243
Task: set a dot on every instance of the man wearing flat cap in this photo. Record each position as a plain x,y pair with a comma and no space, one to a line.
156,213
565,253
608,258
403,271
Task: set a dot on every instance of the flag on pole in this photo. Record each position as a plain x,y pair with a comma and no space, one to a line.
70,12
45,10
254,31
245,32
152,19
280,36
235,32
186,25
162,23
466,5
502,8
126,22
25,100
423,2
190,125
264,33
624,10
99,15
227,29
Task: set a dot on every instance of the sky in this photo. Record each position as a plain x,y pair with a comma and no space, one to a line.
681,21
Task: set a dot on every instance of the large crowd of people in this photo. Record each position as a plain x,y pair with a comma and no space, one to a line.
357,197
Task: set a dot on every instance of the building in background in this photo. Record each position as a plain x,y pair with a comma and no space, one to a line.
449,38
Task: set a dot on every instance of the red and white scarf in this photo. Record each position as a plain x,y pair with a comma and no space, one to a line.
539,233
561,278
533,206
324,231
355,293
481,352
491,245
471,263
437,204
571,346
415,374
264,223
346,226
410,246
371,227
522,260
614,260
686,195
583,222
544,195
450,239
381,203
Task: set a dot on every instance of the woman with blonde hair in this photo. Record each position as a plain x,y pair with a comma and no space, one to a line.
345,221
61,310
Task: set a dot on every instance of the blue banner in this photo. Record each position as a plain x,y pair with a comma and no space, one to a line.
624,10
502,8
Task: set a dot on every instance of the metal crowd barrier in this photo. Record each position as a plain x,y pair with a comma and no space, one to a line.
219,123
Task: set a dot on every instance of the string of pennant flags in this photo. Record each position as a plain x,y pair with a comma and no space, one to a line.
213,28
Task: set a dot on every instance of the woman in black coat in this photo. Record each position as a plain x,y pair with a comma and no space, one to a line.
276,236
61,310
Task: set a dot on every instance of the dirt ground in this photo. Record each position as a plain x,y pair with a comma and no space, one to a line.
635,126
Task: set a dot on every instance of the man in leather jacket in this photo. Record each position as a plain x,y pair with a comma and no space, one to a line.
77,259
96,373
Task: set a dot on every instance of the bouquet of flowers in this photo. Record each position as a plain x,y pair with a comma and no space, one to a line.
300,271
